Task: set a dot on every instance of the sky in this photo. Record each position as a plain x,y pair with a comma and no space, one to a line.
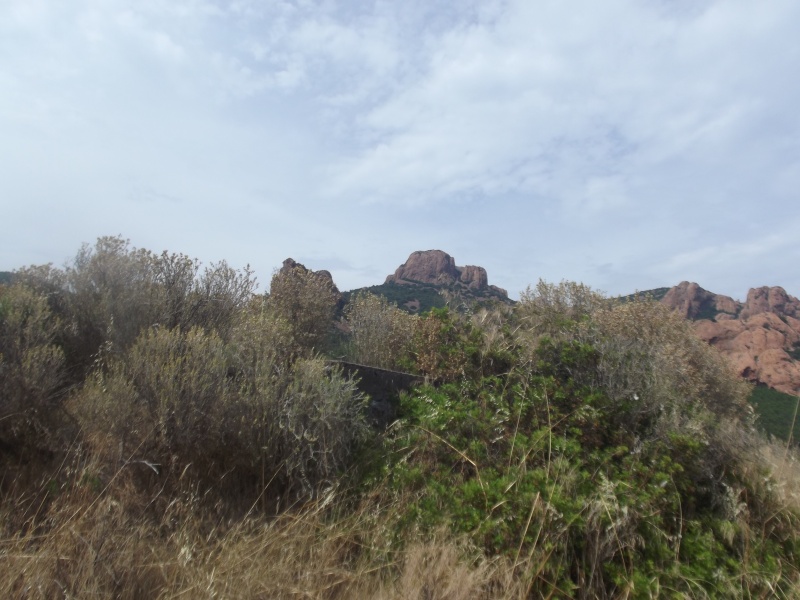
625,144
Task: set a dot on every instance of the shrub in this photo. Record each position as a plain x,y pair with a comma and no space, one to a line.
321,420
615,454
657,375
239,410
111,292
776,413
381,333
553,309
438,348
31,371
307,302
162,400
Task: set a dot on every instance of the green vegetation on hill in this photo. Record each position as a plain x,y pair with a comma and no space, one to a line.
707,313
429,296
165,430
776,412
5,277
654,294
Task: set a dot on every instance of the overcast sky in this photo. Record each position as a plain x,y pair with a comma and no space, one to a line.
627,144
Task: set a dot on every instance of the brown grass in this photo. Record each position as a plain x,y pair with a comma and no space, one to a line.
783,463
75,540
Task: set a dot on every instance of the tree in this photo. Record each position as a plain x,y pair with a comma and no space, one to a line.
31,369
306,300
381,333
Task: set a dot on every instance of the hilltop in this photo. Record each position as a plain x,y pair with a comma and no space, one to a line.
761,336
428,277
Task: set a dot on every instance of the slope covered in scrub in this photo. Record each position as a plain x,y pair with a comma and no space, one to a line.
165,430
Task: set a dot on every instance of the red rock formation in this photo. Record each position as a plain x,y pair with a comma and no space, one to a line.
758,340
499,290
428,266
692,301
772,300
475,278
439,268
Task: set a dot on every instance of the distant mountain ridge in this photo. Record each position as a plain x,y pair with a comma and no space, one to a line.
436,267
761,336
427,276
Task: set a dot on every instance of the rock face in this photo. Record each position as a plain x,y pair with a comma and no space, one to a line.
770,300
429,266
475,278
436,267
693,302
761,337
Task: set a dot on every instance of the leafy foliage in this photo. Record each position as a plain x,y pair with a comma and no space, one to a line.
307,303
776,412
405,296
112,292
181,400
605,459
654,294
419,297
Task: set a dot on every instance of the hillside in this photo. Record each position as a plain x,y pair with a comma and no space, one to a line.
167,432
760,337
429,278
655,294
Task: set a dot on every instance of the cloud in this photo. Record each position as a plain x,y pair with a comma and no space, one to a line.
620,143
545,98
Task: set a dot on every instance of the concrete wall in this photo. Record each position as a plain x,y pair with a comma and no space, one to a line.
383,387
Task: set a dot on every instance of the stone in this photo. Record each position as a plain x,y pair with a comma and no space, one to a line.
435,267
475,278
427,266
772,300
756,336
693,302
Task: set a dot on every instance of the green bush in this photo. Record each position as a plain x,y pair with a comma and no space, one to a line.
307,302
776,412
615,457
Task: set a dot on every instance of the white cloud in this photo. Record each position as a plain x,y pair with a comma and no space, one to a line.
544,84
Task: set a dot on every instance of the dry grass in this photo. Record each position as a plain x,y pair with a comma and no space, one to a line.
74,540
783,461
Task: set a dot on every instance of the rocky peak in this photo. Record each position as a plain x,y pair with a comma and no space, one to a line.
770,300
475,278
760,337
426,266
693,302
436,267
